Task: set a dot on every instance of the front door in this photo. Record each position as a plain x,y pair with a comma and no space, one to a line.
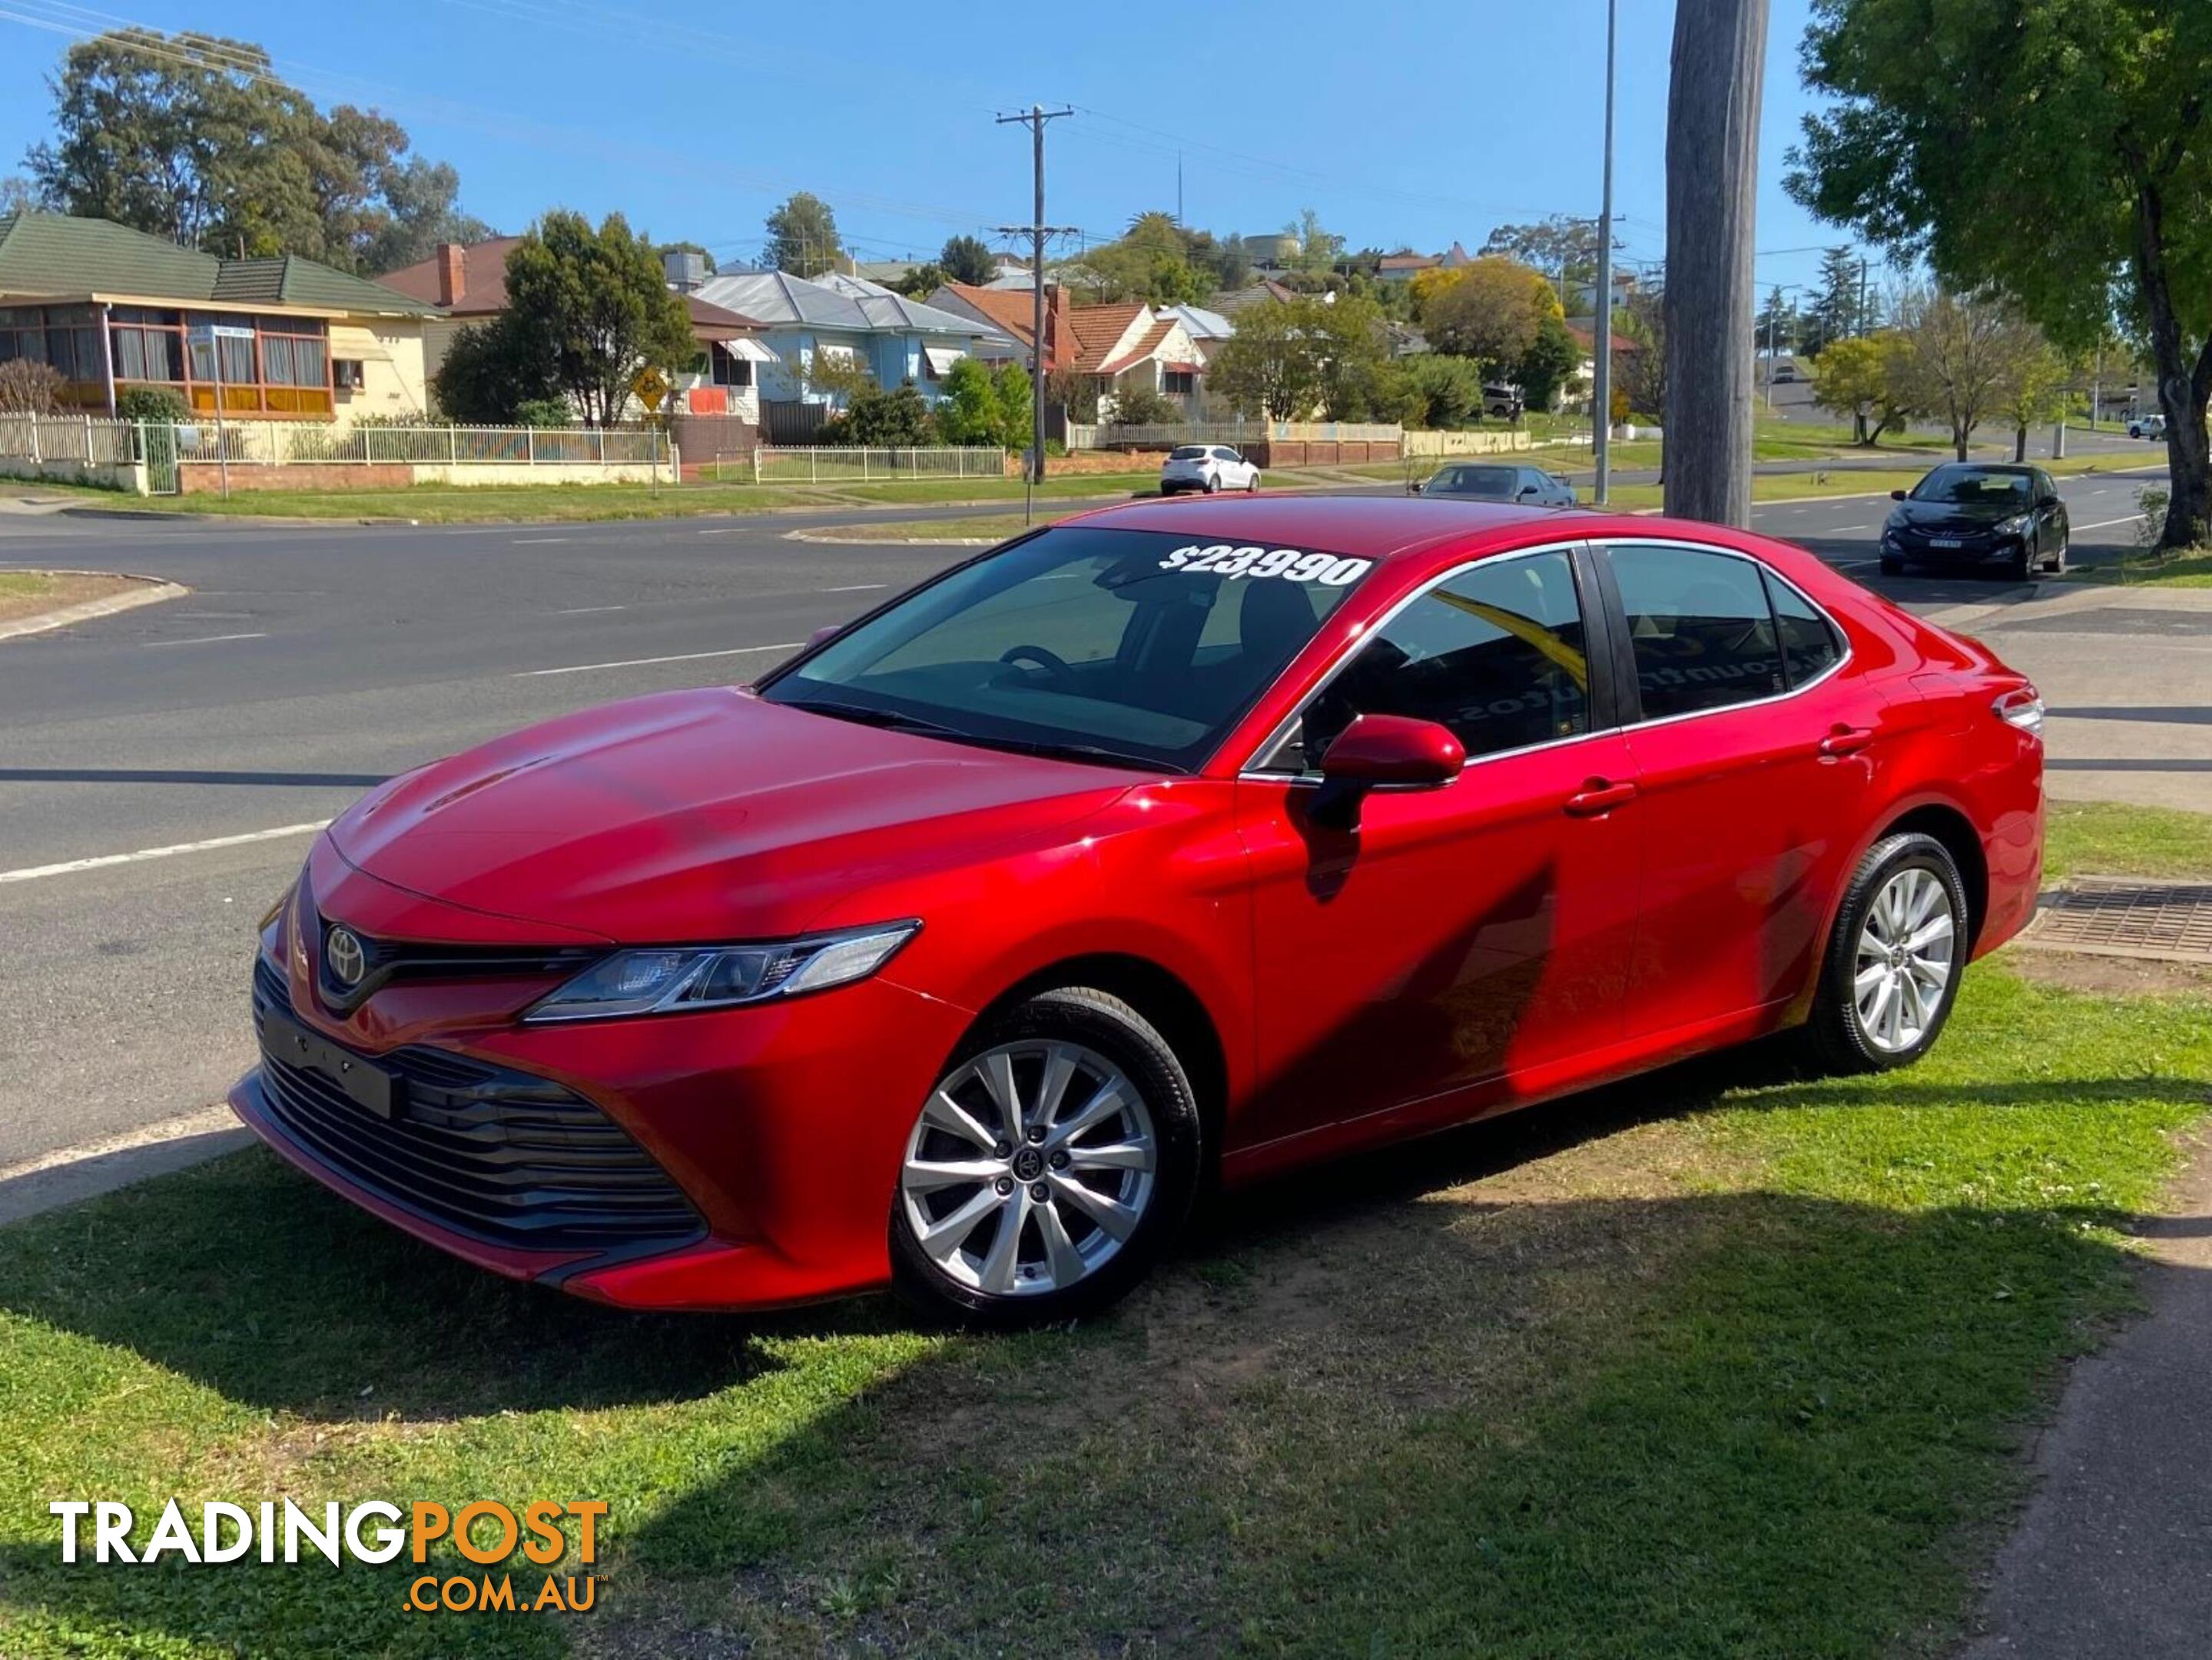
1457,936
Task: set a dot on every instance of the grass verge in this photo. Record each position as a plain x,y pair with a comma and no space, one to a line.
1730,1360
2107,838
2191,569
33,593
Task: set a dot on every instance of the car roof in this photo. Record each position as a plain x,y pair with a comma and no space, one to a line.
1368,527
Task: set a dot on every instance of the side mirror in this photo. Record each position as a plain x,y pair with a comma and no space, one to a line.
1413,488
1528,489
1384,751
1897,496
2047,500
821,634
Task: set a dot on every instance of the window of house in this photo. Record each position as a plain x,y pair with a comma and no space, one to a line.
346,372
1177,383
1494,654
1810,644
729,369
1700,629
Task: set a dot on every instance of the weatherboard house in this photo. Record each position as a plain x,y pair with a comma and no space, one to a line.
285,338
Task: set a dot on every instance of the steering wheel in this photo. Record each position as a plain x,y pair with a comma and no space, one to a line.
1055,665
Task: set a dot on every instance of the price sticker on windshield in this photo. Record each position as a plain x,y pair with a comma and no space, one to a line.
1289,564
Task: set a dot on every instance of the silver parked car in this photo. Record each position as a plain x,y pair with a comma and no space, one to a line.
1208,467
1497,481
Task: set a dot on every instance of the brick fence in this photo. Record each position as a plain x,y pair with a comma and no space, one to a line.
195,478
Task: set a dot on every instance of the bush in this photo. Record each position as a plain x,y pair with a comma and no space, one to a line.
1142,406
155,404
545,412
876,419
29,388
1449,390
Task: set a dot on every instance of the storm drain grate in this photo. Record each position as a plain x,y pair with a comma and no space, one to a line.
2112,917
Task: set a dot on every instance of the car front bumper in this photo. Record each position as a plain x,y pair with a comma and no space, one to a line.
1973,550
730,1159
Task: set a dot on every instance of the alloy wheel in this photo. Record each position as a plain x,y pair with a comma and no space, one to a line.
1030,1167
1904,959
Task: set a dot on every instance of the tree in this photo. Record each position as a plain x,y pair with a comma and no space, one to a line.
1549,363
802,237
1776,329
1449,391
29,388
490,371
1642,373
2036,381
1012,393
193,137
423,200
1712,167
1318,249
968,411
876,419
1563,247
1959,349
17,195
1141,405
591,308
1150,262
1492,312
1836,312
1273,364
1866,377
968,260
2054,149
1353,349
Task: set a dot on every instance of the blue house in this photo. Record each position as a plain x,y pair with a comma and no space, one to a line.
849,319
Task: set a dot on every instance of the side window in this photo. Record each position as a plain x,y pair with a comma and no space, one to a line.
1810,645
1700,629
1496,654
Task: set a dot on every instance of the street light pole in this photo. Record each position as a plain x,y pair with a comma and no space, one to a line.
1602,319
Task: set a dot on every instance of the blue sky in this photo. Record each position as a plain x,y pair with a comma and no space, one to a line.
1401,122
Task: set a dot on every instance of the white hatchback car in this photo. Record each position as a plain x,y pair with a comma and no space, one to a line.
1208,467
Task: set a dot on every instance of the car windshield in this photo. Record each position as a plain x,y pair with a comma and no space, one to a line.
1972,486
1136,647
1477,481
1188,453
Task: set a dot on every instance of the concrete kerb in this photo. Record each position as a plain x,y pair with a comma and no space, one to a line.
152,592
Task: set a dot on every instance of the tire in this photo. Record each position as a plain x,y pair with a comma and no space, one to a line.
1845,1037
2021,567
1252,484
2057,565
1213,485
960,1275
1892,565
1165,491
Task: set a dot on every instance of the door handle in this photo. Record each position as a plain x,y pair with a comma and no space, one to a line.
1847,740
1598,797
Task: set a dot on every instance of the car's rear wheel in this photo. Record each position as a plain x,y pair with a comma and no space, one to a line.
2056,563
1214,483
1894,960
1050,1166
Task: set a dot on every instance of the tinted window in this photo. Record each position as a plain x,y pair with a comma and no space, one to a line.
1496,654
1104,639
1188,453
1700,625
1477,481
1973,486
1810,645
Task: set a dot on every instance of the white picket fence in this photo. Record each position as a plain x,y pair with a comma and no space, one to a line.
94,439
831,463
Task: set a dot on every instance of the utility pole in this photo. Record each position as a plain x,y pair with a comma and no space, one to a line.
1862,318
1602,319
1035,118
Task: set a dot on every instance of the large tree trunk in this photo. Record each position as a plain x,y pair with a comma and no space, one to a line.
1713,176
2020,444
2183,386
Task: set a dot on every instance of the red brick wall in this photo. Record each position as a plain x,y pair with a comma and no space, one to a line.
206,476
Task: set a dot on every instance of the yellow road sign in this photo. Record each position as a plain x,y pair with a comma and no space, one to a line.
651,386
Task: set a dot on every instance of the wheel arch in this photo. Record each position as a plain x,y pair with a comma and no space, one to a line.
1949,826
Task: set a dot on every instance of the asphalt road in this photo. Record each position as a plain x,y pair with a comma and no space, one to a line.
306,665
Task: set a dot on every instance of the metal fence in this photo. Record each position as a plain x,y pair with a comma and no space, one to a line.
299,443
1168,435
840,464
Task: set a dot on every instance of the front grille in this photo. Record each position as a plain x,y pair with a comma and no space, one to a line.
499,1155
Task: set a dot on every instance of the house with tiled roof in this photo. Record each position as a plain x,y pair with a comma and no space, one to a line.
1115,347
111,308
1405,265
467,282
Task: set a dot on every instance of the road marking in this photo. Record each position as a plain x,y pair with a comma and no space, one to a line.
204,640
857,588
536,541
586,610
2106,524
644,662
723,530
69,867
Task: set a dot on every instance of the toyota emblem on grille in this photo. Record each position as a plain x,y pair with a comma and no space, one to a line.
343,954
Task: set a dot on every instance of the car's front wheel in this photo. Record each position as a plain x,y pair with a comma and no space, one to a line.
1050,1167
1892,970
1892,565
1214,483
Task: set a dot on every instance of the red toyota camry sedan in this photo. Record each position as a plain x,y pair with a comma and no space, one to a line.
1177,843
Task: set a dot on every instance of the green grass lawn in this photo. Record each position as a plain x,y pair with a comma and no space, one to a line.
2184,570
26,584
1731,1360
2107,838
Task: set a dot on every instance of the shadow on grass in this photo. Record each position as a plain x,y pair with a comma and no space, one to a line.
1737,1423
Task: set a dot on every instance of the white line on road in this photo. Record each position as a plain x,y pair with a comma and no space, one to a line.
725,530
536,541
643,662
203,640
586,610
857,588
2106,524
69,867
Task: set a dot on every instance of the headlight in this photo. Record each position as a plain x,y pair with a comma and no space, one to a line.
679,977
2015,525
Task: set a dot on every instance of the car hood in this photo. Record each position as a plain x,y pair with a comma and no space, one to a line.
1962,515
703,815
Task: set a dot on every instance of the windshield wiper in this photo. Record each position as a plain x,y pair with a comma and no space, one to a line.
1095,753
868,715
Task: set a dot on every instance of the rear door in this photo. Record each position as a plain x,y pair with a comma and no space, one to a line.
1462,935
1756,754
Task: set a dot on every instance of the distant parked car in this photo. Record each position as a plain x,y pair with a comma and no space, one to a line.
1495,481
1963,515
1502,401
2147,426
1784,372
1208,467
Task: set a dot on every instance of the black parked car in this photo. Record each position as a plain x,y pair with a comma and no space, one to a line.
1966,515
1497,481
